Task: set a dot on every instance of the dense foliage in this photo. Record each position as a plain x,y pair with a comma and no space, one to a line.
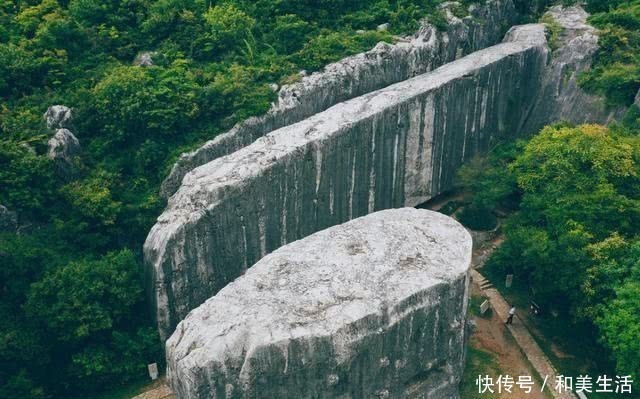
72,313
573,236
616,70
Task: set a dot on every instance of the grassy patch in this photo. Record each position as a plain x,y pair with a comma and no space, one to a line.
478,362
554,30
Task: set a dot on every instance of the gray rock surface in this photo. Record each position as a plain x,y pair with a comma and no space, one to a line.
58,117
398,146
354,76
144,59
8,220
562,98
63,146
373,308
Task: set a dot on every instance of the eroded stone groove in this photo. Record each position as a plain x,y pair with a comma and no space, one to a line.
394,147
354,76
371,308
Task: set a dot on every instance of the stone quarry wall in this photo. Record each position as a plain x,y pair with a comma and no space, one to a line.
373,308
354,76
398,146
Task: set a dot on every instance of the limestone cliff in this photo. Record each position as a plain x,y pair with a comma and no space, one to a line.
373,308
354,76
561,98
394,147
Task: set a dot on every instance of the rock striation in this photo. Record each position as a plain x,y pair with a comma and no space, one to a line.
373,308
395,147
354,76
561,98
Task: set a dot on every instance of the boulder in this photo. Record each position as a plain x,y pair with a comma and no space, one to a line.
58,117
373,308
63,146
144,59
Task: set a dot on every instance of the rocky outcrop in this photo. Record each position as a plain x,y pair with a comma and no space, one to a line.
354,76
373,308
394,147
63,146
8,220
144,59
58,117
561,98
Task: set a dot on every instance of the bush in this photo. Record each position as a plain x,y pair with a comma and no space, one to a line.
229,26
133,103
477,217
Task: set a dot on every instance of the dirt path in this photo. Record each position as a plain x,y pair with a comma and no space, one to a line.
490,335
524,342
157,390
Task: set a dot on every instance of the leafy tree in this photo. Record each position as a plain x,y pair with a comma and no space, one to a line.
620,326
289,33
616,70
87,306
573,238
27,179
229,26
134,103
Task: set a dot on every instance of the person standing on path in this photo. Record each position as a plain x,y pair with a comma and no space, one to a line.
512,312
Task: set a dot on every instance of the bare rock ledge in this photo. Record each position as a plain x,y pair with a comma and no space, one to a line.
373,308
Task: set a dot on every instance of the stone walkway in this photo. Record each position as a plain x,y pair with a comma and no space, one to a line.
529,347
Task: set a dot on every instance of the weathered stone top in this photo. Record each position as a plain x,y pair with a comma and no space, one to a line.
204,186
327,284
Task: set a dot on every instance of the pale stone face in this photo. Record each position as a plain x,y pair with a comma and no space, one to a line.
394,147
63,146
370,306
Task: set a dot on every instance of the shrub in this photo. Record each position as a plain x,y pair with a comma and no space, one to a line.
477,217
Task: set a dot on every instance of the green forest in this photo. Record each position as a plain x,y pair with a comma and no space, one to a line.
73,317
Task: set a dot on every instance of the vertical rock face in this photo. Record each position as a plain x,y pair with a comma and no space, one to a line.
395,147
354,76
561,97
373,308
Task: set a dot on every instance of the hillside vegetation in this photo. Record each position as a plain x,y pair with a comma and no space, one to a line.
73,317
616,71
573,235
